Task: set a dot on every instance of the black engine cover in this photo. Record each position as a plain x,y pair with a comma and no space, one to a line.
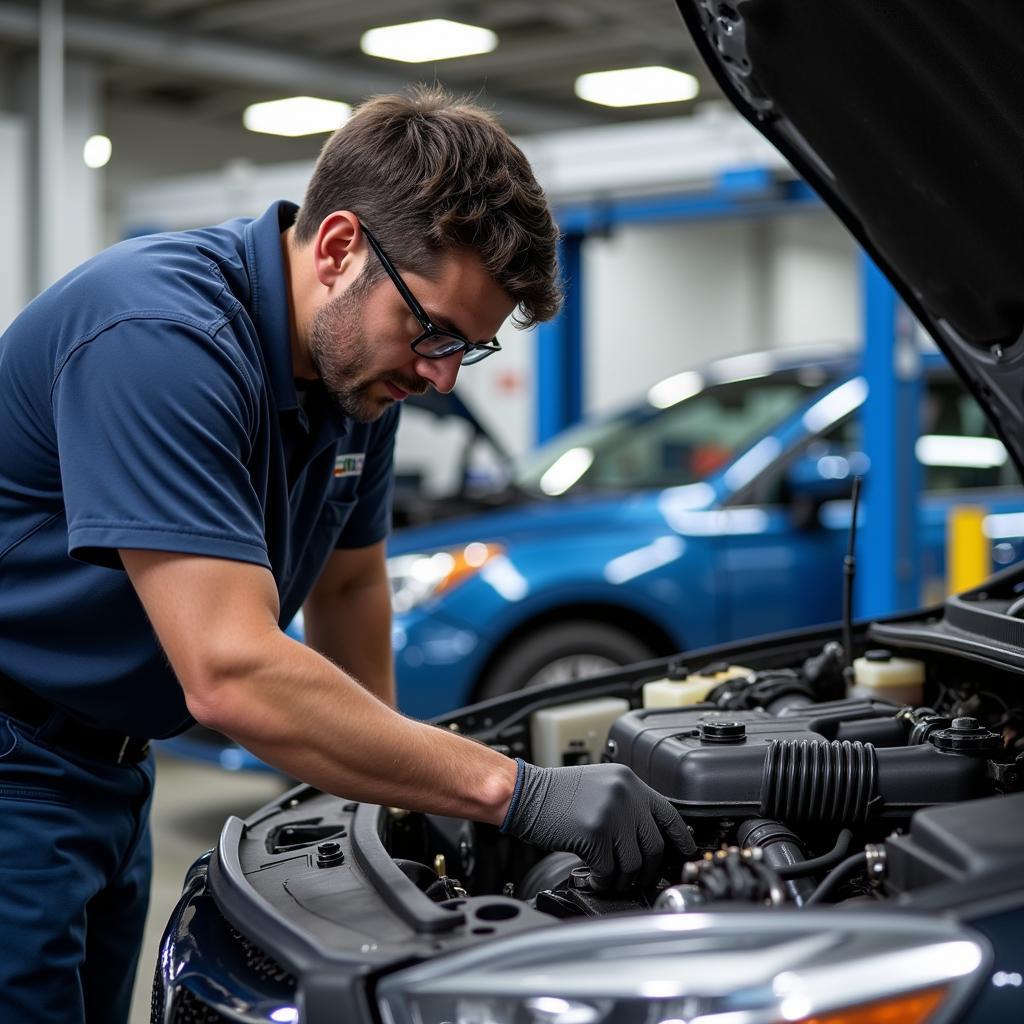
837,763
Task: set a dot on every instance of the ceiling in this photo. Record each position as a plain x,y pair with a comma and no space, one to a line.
176,74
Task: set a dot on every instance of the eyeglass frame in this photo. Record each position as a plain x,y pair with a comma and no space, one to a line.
430,330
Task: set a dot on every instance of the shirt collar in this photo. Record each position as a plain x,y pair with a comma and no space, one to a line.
269,298
269,310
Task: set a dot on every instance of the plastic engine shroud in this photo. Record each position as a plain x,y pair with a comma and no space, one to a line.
827,764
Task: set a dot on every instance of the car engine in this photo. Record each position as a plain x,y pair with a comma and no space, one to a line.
803,782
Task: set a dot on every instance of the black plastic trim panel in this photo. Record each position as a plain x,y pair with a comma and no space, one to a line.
396,890
253,916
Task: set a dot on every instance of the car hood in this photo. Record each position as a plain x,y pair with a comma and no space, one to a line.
908,119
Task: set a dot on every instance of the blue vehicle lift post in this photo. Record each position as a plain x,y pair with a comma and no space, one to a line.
559,353
888,555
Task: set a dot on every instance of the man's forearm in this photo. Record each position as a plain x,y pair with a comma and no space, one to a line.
295,710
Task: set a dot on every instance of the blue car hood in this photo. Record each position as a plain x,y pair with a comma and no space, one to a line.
530,520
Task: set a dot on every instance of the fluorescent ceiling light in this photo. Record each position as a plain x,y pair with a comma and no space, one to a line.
632,87
96,151
297,115
434,39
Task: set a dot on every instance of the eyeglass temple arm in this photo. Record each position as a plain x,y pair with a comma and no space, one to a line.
410,299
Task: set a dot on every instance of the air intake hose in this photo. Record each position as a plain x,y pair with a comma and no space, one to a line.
819,783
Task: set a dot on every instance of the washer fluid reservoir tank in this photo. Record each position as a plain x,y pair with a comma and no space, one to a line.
881,676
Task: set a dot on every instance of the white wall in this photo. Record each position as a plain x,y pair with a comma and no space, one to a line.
814,281
662,298
501,389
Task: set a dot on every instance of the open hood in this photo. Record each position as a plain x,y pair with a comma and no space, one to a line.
908,119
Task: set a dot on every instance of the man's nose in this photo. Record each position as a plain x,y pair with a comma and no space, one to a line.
440,373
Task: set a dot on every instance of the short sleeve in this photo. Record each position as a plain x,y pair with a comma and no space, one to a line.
371,520
154,422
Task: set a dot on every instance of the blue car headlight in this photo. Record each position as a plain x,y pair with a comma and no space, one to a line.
700,969
416,578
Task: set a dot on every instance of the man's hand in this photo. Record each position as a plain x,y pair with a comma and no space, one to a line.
603,813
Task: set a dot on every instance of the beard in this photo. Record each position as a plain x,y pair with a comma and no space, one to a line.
342,355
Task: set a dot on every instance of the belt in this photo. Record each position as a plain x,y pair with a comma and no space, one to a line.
64,731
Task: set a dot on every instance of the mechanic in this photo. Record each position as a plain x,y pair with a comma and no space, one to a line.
198,432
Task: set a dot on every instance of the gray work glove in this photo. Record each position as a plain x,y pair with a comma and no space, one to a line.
601,812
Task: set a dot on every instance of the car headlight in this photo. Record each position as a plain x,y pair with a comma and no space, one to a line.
700,969
416,578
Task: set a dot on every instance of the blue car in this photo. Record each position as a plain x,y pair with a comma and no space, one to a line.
715,510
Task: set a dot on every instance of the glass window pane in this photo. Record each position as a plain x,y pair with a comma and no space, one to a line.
687,442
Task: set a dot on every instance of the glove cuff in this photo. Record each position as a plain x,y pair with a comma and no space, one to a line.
516,793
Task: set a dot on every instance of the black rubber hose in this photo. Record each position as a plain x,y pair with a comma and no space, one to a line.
781,849
822,863
839,874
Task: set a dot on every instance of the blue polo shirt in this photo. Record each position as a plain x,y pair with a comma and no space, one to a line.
147,401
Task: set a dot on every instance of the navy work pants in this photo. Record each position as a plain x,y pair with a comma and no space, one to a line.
75,864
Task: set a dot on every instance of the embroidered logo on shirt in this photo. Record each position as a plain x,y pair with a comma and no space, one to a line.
349,465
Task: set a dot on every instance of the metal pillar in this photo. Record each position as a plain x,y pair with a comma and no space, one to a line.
560,350
50,134
888,556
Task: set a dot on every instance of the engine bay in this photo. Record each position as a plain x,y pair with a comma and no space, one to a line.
812,778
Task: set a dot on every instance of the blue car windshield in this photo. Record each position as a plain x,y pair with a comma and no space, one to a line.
682,443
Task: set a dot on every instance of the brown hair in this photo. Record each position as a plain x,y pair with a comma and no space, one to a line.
428,172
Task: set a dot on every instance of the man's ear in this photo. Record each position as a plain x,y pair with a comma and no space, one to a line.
339,250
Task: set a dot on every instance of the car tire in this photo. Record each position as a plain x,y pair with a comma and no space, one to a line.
562,651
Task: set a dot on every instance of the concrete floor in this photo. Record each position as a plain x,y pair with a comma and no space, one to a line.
191,803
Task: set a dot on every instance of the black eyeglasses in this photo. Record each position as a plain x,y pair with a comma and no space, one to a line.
435,342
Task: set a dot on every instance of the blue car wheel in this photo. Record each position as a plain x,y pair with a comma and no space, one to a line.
562,651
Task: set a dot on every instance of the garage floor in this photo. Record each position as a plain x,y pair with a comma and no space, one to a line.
191,804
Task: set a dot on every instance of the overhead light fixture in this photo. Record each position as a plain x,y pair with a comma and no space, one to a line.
434,39
295,116
96,151
633,87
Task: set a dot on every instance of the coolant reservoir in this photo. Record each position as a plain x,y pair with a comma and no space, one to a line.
881,676
574,733
676,693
